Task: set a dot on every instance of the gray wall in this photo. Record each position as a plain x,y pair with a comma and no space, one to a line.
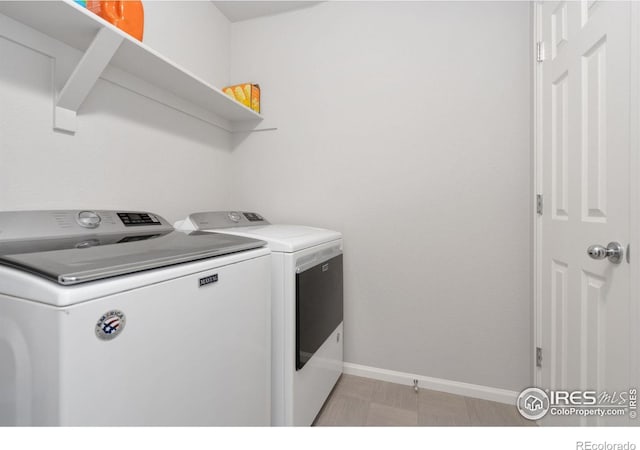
129,152
407,127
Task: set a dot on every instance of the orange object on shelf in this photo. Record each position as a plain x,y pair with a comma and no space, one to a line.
128,15
246,93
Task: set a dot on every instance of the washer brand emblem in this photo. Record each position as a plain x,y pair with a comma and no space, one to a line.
110,325
208,280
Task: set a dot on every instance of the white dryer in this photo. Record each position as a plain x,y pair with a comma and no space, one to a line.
115,318
307,308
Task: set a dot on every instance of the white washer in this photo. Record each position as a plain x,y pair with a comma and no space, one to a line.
114,318
307,308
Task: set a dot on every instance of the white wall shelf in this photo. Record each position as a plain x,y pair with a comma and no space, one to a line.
112,54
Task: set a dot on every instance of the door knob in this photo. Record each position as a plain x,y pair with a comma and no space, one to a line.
613,251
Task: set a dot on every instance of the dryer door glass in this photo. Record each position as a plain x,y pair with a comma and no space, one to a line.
319,301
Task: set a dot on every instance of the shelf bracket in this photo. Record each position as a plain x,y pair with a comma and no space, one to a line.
251,126
84,77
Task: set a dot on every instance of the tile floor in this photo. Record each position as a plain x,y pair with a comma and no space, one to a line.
357,401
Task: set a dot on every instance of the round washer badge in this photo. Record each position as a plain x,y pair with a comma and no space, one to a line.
110,325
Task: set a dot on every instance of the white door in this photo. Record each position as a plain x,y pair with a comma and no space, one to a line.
583,162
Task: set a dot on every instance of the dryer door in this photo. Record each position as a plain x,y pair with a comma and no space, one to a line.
319,304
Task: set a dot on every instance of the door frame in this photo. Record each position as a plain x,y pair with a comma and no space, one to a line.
634,194
537,189
634,199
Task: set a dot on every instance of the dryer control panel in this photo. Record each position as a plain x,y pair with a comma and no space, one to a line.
253,217
226,219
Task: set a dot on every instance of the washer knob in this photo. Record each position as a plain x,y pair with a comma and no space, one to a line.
88,219
235,216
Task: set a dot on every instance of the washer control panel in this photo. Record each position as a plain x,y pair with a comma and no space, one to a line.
25,225
130,219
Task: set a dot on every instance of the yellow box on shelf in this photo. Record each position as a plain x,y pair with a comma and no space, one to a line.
246,93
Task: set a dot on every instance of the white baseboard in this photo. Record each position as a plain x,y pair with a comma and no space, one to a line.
436,384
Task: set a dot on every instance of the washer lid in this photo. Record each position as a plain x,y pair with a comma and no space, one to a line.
77,263
69,252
